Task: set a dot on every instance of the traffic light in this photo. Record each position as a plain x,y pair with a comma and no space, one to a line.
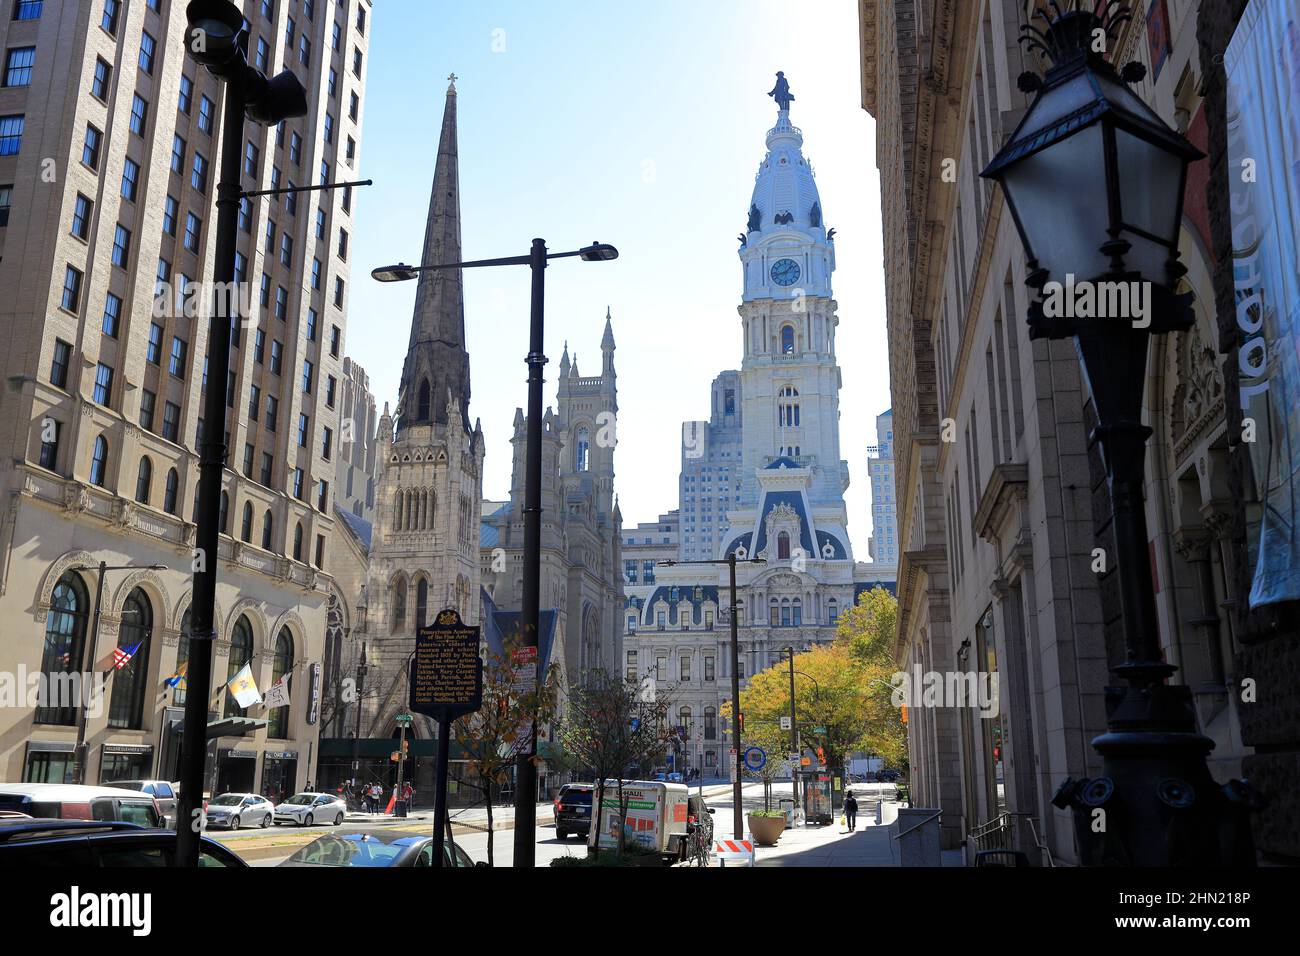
821,757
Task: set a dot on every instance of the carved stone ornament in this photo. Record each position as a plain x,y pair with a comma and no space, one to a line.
76,499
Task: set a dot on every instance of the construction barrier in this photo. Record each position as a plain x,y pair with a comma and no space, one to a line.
739,852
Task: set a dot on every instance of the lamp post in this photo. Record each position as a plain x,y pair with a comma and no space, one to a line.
738,814
794,732
525,770
217,39
79,754
362,668
1094,181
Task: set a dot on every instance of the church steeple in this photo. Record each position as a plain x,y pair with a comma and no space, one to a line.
436,360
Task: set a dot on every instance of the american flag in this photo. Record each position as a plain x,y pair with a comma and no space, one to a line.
122,655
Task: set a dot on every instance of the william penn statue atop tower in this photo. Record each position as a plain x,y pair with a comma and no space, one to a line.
781,92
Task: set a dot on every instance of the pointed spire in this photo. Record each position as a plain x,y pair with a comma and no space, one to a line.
607,343
573,372
436,361
564,359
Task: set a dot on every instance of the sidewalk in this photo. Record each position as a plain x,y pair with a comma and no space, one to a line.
470,818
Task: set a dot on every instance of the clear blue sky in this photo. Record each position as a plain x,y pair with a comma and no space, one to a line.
637,124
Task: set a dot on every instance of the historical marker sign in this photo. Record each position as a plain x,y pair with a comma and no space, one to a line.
446,671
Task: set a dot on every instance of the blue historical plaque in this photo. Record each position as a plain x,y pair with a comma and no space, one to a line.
446,670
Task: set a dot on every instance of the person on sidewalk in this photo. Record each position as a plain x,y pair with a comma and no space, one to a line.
851,810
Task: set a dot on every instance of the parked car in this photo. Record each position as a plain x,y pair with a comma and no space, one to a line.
573,809
70,801
235,810
306,809
375,850
675,778
91,843
163,791
889,776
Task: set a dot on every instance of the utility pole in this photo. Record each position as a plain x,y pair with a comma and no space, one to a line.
794,736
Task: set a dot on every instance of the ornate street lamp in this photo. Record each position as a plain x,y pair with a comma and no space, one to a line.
1094,181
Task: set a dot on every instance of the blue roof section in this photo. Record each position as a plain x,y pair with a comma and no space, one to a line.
674,594
784,462
737,541
360,527
824,538
862,587
489,535
795,500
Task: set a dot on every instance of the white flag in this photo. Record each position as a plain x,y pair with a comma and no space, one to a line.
278,695
243,688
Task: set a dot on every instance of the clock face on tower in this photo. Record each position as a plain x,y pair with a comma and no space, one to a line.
785,272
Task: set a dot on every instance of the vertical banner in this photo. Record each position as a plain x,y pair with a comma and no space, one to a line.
1263,69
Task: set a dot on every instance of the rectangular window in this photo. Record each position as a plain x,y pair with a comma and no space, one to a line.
269,242
50,449
71,289
311,325
251,154
343,244
329,128
322,495
327,443
259,346
147,46
263,55
685,668
179,349
254,402
337,36
109,21
356,61
139,114
339,286
272,410
171,209
351,152
59,364
709,669
153,353
295,148
303,428
333,83
291,201
199,174
171,421
354,106
178,154
297,483
186,99
304,50
330,384
286,249
11,135
103,384
306,375
28,9
320,551
277,352
90,147
248,460
121,246
630,670
320,223
268,468
147,401
324,174
81,212
268,9
315,274
18,65
288,32
6,200
130,178
112,315
264,296
245,215
361,20
281,302
336,338
205,115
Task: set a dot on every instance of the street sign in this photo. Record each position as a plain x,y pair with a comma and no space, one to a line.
819,730
785,722
755,759
793,758
403,718
446,671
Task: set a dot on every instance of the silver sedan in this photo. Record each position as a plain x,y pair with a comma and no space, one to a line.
305,809
235,810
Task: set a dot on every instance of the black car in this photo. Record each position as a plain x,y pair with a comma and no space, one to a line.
889,776
81,844
573,809
375,850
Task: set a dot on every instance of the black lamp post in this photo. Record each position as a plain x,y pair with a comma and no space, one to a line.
217,39
1094,180
525,854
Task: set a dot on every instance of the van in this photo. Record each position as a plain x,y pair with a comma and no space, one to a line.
70,801
657,814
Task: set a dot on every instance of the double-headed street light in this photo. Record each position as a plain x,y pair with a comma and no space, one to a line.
217,39
1094,180
525,770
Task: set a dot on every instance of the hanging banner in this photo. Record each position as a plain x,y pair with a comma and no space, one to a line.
1263,68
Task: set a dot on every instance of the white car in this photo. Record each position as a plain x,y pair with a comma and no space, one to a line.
235,810
306,809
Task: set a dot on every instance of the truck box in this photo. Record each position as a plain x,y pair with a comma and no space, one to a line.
657,814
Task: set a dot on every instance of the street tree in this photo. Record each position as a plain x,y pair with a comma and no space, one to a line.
492,737
868,631
609,725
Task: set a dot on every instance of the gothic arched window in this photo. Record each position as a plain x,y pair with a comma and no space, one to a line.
241,653
278,719
423,404
582,453
297,541
65,640
169,491
399,603
421,602
143,479
99,461
267,529
246,523
126,707
787,339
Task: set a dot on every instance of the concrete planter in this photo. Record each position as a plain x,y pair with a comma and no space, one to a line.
766,830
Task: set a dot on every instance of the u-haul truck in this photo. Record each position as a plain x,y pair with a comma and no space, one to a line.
657,813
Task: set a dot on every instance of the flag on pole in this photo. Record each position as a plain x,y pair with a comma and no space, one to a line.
122,655
278,695
179,677
243,688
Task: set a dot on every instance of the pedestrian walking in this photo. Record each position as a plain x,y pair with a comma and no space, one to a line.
851,810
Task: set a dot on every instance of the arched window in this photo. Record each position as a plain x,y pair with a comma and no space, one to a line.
423,406
783,546
397,511
246,523
170,490
99,461
126,708
796,609
143,479
399,603
241,653
684,719
267,529
787,409
297,541
421,602
710,723
182,661
582,452
277,725
65,646
225,513
787,339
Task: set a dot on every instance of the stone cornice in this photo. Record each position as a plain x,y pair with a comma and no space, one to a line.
1008,481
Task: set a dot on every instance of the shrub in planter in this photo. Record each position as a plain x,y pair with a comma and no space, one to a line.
767,826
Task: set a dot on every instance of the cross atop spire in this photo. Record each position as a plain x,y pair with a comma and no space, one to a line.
451,83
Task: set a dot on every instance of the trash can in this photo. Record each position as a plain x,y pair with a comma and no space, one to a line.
787,807
399,808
